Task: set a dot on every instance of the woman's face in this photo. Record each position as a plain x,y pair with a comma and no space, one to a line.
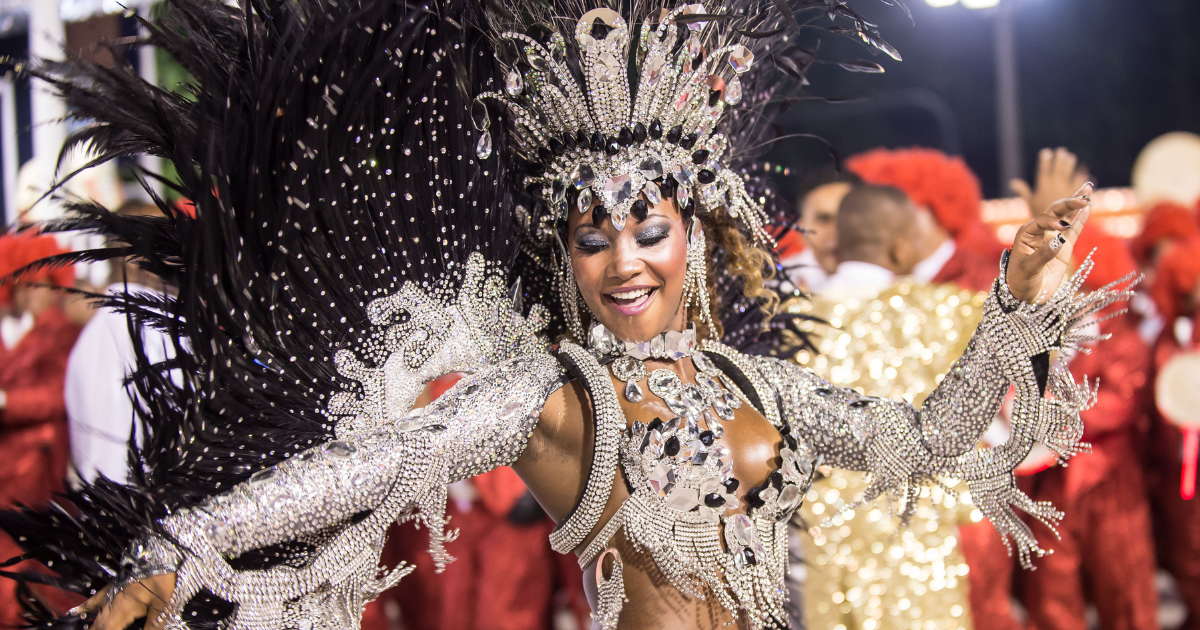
632,280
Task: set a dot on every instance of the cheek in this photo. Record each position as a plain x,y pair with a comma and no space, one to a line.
589,271
669,263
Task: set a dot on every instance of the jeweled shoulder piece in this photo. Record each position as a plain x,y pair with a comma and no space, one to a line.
640,126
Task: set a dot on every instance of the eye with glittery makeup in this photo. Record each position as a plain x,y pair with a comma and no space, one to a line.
652,235
590,243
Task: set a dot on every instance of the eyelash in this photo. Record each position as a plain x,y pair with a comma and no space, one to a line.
653,238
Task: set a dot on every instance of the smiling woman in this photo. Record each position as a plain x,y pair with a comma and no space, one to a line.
351,242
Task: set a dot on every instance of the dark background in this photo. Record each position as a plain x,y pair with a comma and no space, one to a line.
1101,77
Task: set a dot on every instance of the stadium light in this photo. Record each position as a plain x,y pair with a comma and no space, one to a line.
980,4
937,4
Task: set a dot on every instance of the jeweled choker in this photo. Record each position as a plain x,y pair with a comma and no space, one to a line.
673,344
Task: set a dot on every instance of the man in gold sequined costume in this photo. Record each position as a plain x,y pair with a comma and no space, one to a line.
895,337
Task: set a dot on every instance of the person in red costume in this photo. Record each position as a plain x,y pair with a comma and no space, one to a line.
505,577
957,247
1176,293
35,339
1166,224
1106,541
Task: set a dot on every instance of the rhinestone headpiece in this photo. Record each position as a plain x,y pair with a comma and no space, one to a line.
622,135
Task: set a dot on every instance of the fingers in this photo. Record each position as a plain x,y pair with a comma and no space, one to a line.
1045,167
1065,208
1064,165
92,604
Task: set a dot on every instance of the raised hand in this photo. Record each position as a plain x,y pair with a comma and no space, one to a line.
1041,251
1059,175
146,598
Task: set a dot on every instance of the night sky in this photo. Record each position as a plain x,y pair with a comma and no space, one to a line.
1101,77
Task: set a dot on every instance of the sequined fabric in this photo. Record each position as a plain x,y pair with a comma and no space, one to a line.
868,571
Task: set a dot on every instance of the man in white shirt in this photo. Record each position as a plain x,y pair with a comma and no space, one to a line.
877,230
100,410
818,203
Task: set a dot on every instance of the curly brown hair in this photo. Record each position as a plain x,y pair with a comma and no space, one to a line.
749,263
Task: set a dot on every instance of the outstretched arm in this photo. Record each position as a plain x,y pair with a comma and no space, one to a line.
904,447
342,496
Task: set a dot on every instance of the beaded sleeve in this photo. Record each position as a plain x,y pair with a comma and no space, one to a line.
324,512
904,447
342,496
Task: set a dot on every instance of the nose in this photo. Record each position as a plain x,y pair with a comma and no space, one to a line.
625,263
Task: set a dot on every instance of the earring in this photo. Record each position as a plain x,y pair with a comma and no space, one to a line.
568,294
695,282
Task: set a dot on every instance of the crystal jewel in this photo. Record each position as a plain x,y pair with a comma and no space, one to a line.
510,410
664,382
587,42
654,444
535,59
584,201
683,499
741,527
692,429
671,425
651,167
607,69
653,194
740,59
633,392
733,401
689,450
733,91
618,220
675,405
513,83
583,176
683,174
695,9
683,194
700,455
709,383
484,148
789,498
703,363
714,425
656,67
661,479
722,409
693,46
682,101
262,476
617,190
339,449
673,346
726,472
693,401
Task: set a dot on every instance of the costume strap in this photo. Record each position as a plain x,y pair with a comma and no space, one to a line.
609,423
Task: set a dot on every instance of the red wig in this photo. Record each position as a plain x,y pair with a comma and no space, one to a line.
22,249
1176,280
934,180
1167,221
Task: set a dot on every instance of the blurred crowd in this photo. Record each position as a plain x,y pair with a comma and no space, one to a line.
892,260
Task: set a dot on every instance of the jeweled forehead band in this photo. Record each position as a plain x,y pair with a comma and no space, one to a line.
597,142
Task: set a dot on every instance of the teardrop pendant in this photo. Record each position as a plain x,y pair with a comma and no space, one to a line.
484,148
633,392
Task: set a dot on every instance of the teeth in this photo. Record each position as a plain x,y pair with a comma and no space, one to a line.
629,295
